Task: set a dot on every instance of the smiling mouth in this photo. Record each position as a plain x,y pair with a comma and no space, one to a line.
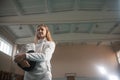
39,33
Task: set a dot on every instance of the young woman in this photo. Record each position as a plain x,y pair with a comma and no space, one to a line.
45,47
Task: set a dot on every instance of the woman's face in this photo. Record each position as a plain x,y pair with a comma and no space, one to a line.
41,32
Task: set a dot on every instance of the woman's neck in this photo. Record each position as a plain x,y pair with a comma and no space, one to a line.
41,40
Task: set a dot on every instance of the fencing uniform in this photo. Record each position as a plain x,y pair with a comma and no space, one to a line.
43,54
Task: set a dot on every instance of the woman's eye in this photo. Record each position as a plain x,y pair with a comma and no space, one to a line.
41,29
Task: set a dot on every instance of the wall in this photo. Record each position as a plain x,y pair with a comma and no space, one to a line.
7,64
83,60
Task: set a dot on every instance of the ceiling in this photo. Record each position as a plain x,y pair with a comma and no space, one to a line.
74,21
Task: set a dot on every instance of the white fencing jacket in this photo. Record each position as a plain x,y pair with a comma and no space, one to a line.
43,54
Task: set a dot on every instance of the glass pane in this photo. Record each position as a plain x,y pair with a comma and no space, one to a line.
5,47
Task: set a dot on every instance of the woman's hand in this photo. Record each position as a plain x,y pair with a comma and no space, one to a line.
19,57
24,63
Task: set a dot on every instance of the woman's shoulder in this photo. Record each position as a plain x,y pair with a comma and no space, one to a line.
50,42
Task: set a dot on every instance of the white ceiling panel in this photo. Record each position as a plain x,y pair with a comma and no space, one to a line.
32,6
113,5
21,31
61,5
91,4
103,28
7,8
82,28
61,28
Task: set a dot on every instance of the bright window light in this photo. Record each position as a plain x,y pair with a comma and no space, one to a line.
102,70
112,77
5,47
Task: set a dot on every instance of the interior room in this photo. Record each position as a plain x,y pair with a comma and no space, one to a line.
86,34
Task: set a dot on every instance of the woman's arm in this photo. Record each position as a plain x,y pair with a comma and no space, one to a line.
20,59
45,55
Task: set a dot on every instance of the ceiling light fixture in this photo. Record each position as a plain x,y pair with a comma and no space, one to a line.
20,28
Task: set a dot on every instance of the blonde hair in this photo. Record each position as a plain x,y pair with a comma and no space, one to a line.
48,34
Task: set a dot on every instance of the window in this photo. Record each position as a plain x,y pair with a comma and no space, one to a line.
5,47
